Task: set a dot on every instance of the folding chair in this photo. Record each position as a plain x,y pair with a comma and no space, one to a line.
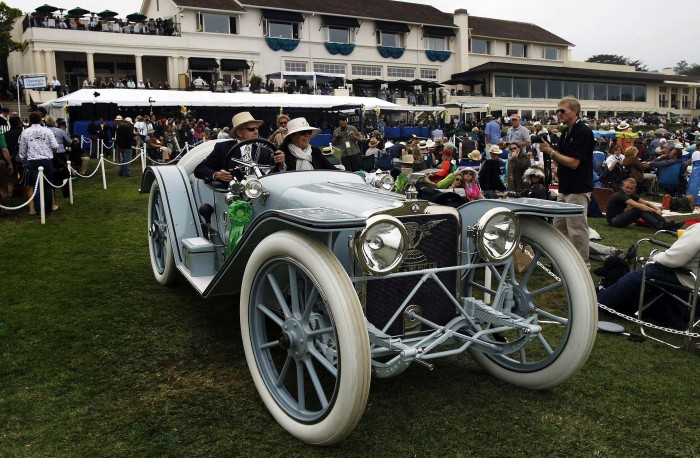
682,295
598,159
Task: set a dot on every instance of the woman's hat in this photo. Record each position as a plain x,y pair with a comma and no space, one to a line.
118,118
300,124
327,150
423,144
373,142
494,149
244,117
532,172
407,159
468,170
623,125
474,155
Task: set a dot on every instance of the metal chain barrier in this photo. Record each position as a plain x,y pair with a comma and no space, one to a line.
621,315
647,324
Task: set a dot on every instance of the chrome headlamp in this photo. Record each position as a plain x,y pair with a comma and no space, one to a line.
381,247
497,234
253,189
383,181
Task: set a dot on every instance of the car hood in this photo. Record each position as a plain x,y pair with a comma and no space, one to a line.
358,199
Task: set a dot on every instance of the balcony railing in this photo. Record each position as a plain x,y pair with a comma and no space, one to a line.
161,27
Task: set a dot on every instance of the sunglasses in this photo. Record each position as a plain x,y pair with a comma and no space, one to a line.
304,132
457,180
561,111
251,129
513,149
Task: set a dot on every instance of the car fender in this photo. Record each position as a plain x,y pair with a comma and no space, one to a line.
175,187
321,224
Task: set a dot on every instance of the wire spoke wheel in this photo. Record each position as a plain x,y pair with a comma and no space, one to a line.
551,289
305,340
159,246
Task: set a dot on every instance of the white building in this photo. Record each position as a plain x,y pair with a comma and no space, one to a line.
513,66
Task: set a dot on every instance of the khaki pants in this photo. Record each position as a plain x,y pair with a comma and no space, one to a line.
576,228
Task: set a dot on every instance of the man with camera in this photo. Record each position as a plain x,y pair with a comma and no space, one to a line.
575,159
345,138
539,133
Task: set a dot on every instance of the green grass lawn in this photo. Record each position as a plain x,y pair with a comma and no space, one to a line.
97,359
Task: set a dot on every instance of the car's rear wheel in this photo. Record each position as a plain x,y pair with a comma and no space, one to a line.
556,292
159,245
305,338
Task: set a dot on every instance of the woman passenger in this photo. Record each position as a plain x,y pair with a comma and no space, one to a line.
298,152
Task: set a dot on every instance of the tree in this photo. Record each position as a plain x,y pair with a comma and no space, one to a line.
8,16
618,60
684,68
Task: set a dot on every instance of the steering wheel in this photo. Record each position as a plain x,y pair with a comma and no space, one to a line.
241,162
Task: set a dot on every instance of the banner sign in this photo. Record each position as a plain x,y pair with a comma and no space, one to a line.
34,82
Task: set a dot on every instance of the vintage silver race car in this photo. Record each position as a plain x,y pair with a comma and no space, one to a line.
340,282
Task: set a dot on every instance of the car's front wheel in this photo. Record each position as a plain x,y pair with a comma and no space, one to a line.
159,246
305,338
554,291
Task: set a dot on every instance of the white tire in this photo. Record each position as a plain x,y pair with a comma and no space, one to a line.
159,245
566,310
301,319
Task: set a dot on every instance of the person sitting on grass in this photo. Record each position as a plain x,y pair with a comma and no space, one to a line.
625,207
445,167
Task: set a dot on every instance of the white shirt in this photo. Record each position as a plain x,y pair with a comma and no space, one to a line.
37,142
612,159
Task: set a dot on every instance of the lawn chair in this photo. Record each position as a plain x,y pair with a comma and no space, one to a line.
682,296
598,159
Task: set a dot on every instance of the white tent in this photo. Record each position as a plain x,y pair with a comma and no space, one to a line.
159,98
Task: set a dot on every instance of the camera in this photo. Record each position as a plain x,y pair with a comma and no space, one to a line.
539,138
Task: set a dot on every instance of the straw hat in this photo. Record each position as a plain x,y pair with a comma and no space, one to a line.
494,149
423,144
373,142
532,172
128,119
244,117
327,150
118,118
407,159
300,124
469,170
474,155
623,125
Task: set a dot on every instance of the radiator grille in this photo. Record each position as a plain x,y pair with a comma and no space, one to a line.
435,242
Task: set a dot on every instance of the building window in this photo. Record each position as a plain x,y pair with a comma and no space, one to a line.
504,86
551,53
293,66
521,88
662,89
216,23
367,70
428,73
338,35
276,29
571,88
600,91
478,46
389,39
323,67
516,49
663,102
554,89
626,92
436,43
614,92
401,72
640,93
538,89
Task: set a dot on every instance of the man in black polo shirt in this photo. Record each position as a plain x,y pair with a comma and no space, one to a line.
626,207
575,158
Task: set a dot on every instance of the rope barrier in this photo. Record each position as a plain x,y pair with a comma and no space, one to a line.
73,171
36,189
136,158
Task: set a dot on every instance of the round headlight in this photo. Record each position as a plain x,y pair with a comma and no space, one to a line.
385,182
497,234
253,189
381,246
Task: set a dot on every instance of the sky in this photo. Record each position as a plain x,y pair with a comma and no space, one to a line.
660,33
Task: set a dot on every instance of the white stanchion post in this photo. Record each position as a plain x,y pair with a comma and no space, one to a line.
104,176
143,158
114,153
100,147
42,205
70,183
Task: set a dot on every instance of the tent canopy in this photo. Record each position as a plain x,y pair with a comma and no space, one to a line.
160,98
